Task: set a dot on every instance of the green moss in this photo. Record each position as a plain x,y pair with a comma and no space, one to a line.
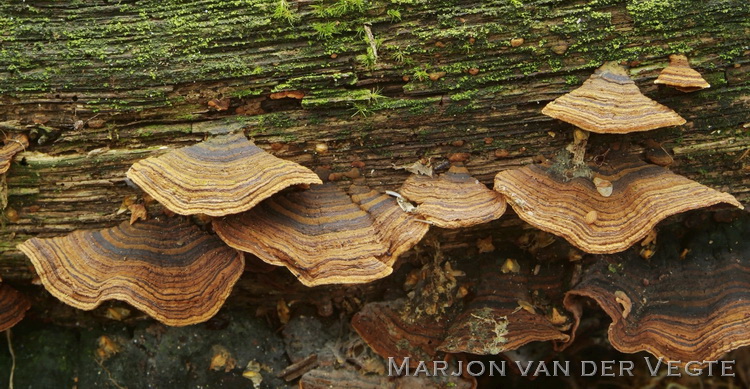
572,80
283,11
338,8
153,43
151,130
246,92
340,98
652,14
716,79
278,120
326,30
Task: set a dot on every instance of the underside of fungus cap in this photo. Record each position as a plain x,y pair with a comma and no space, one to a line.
14,144
681,76
689,307
167,268
13,306
606,214
221,176
609,102
321,235
454,199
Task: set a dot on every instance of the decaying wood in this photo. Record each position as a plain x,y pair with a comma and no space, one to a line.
100,85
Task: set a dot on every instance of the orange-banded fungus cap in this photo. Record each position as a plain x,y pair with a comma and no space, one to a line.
13,306
221,176
501,317
609,102
167,268
386,328
681,76
321,235
454,199
400,230
491,323
641,196
691,309
14,144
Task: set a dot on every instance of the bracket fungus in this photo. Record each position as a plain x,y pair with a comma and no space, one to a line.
400,229
221,176
391,332
454,199
681,76
13,306
693,308
508,311
167,268
631,197
609,102
14,144
324,236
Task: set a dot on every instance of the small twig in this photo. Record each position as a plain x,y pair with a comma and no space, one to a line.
109,375
405,205
742,156
299,368
12,359
23,146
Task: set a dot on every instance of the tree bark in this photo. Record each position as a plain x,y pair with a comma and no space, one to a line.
101,84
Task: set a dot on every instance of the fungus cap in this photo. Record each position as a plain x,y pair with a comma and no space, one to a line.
641,196
386,328
681,76
14,144
221,176
609,102
167,268
323,236
400,230
690,309
13,306
492,323
454,199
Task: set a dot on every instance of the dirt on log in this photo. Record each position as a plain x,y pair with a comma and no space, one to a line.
100,84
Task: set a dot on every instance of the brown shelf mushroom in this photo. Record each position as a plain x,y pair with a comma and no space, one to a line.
324,236
454,199
394,226
14,144
681,76
507,311
13,307
683,309
167,268
503,315
629,199
609,102
391,332
221,176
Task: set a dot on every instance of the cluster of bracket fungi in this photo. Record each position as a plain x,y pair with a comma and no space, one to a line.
285,215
